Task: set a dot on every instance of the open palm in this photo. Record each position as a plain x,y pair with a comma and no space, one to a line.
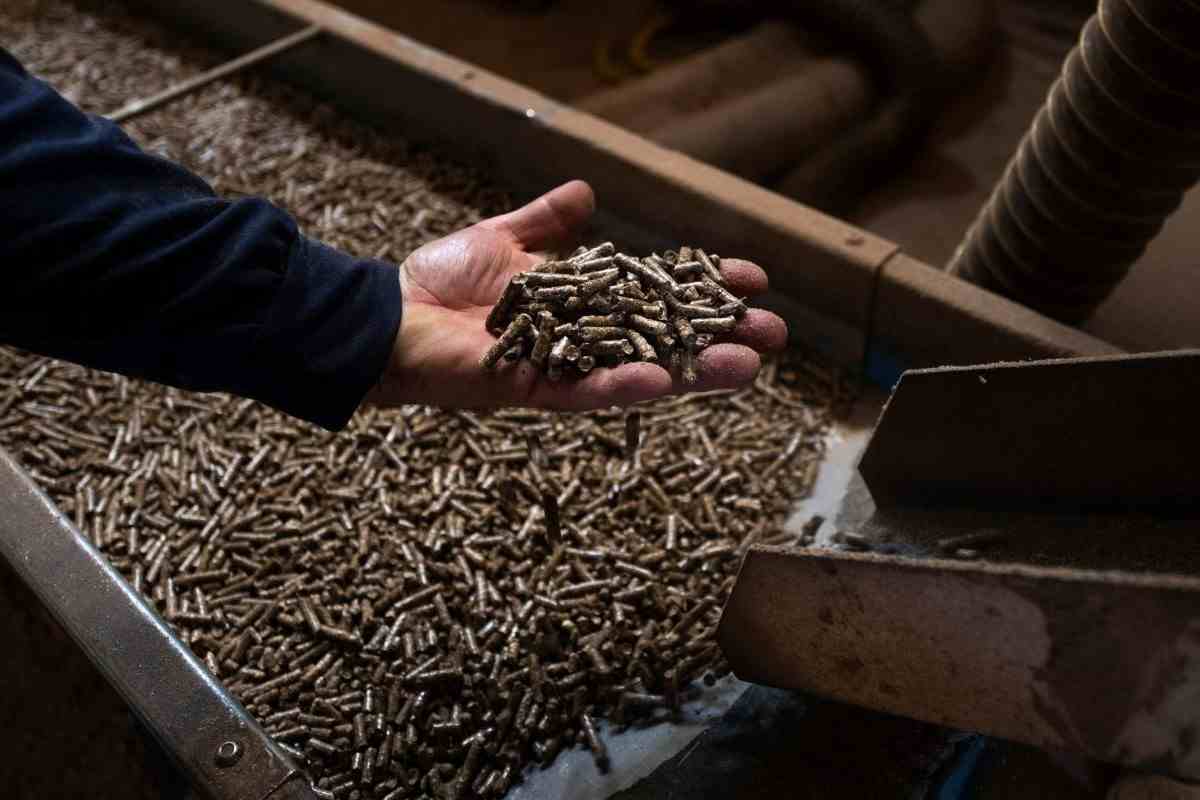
450,285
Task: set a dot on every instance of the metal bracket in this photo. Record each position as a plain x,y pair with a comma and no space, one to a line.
1083,639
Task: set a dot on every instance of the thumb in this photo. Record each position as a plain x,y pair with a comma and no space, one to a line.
550,221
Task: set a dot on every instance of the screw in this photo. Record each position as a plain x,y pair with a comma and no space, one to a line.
228,754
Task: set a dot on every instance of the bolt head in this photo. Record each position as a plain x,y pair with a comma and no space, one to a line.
228,754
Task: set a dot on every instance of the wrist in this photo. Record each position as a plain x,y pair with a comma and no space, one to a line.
399,382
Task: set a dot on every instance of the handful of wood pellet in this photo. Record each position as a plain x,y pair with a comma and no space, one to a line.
603,308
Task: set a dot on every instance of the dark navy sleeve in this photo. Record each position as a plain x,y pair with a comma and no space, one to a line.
118,259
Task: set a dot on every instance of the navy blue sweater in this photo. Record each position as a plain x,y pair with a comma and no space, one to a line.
121,260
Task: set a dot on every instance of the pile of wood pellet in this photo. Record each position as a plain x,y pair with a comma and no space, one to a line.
602,307
389,602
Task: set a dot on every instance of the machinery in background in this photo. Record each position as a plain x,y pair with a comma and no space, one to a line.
815,100
1106,161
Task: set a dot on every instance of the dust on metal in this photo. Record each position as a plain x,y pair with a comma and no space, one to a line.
1100,663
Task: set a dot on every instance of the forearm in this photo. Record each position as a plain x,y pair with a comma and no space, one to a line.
121,260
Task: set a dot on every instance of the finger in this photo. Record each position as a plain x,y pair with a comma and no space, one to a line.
743,277
760,330
551,221
723,366
601,388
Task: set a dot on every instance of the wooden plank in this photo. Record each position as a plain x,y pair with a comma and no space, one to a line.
1113,432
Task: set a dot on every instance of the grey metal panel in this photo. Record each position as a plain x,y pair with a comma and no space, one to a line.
1106,432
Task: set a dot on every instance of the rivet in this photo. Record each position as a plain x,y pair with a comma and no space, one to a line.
228,753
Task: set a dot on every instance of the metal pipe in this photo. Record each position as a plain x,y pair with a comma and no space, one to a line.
257,56
759,133
906,68
1107,159
770,51
221,749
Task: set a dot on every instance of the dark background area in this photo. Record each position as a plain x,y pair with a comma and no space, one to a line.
929,202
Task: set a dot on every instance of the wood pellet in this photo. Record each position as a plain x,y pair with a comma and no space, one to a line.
601,307
431,602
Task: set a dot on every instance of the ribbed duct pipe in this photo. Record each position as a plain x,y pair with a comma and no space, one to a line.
1107,160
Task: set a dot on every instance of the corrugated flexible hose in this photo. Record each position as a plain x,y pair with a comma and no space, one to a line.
1107,159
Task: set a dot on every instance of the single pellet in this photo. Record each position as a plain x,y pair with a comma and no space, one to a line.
497,317
714,325
643,349
520,325
652,327
594,743
688,367
709,266
598,281
598,333
539,279
613,347
600,321
545,337
556,294
550,509
633,432
557,357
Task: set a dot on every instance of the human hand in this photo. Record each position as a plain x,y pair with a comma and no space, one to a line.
450,285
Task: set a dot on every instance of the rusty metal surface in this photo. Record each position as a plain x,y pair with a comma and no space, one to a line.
180,702
1104,432
1102,663
973,325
